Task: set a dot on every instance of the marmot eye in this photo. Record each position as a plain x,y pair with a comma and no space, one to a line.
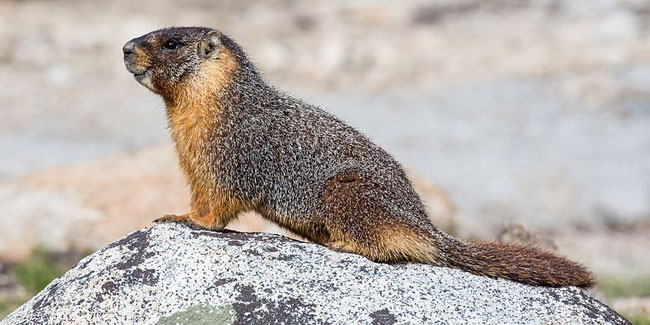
171,45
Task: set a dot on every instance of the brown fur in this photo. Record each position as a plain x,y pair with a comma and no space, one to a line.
520,263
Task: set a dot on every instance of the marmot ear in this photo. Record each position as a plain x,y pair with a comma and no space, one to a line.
209,45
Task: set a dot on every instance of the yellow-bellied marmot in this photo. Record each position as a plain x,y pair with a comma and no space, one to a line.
243,145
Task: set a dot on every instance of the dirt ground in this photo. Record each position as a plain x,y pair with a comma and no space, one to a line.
535,112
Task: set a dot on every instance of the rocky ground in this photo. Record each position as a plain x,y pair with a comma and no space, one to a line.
536,112
171,274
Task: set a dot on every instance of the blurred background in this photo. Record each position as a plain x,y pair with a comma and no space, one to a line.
524,121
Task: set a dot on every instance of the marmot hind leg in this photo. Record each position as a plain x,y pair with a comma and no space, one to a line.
357,223
392,242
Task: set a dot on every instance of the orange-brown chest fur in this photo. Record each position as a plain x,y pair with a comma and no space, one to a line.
194,112
189,132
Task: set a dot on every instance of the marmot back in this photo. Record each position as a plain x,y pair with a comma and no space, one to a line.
243,145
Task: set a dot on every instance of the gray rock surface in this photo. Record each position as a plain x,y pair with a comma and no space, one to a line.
173,274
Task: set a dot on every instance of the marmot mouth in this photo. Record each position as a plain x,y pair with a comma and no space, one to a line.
140,74
144,78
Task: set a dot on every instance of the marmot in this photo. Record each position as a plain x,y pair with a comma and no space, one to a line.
244,145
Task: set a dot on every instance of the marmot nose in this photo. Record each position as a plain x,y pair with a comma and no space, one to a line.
128,48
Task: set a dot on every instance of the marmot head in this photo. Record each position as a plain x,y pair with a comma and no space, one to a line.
182,61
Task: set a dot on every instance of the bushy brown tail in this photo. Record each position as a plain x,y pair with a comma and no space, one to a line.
518,263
